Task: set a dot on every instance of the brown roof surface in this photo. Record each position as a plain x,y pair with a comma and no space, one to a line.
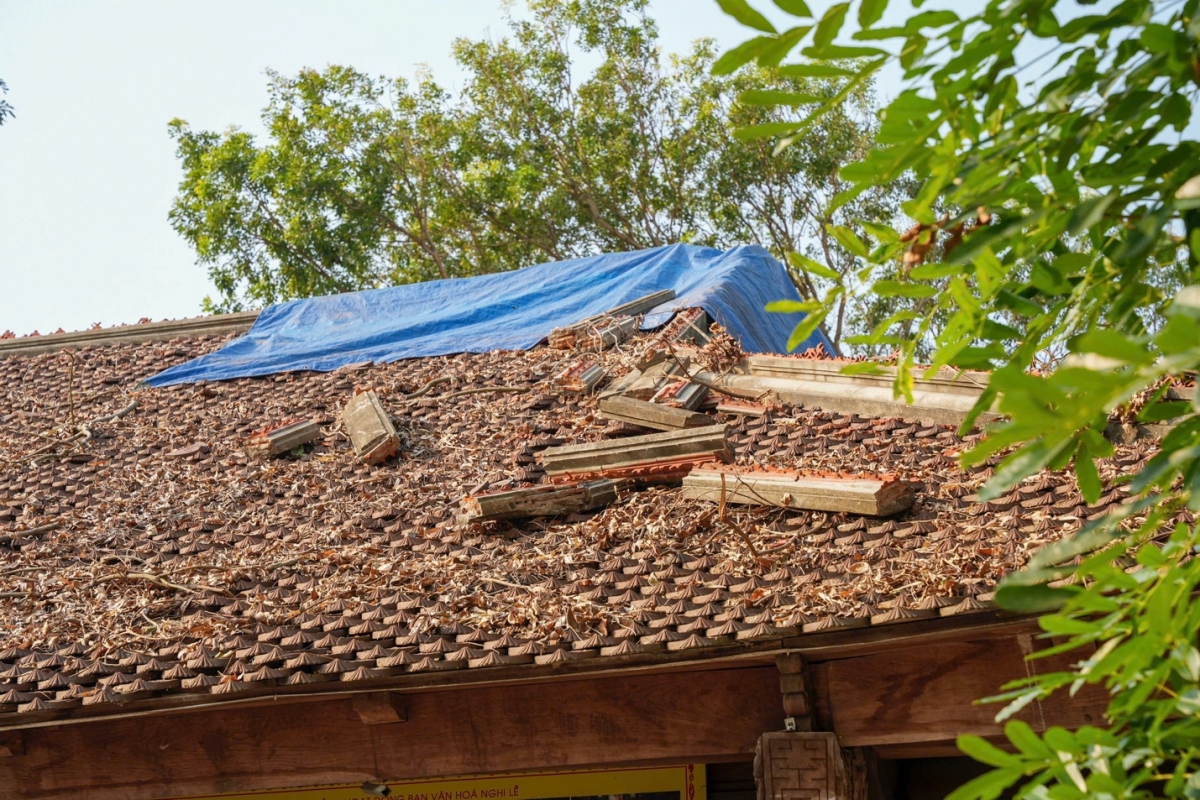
180,566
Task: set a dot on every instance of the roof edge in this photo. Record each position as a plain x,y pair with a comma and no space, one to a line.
129,334
816,647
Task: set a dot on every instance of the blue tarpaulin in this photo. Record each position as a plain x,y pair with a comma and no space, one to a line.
506,311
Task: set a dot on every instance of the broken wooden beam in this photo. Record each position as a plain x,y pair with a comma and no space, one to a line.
652,415
282,438
370,428
877,496
650,356
650,458
539,501
583,377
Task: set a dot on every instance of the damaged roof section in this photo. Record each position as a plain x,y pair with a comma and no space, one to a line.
512,310
159,558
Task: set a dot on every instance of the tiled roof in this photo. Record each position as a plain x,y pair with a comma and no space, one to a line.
181,566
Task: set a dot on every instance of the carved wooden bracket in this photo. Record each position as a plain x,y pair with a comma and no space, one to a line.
796,689
380,708
808,766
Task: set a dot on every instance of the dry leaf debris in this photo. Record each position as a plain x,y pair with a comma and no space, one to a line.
158,558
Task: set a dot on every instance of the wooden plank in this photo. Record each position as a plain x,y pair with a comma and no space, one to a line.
370,428
878,497
855,642
631,450
928,693
539,501
652,415
715,715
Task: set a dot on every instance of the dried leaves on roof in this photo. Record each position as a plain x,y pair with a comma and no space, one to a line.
180,564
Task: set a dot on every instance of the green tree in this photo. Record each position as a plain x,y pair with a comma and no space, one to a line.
365,181
6,110
1058,210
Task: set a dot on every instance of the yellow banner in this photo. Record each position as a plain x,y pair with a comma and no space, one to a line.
652,783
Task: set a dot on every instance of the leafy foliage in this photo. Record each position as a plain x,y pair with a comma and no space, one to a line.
1058,211
366,181
6,110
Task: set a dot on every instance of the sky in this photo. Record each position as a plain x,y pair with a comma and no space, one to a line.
88,172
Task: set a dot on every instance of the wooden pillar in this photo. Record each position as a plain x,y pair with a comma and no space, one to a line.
800,764
808,766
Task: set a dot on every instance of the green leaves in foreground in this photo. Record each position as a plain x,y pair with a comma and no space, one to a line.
1042,214
1054,243
1134,630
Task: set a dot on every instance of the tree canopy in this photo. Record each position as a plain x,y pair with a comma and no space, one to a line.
6,110
572,135
1054,149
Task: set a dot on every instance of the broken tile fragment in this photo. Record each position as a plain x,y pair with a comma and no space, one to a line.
370,428
282,438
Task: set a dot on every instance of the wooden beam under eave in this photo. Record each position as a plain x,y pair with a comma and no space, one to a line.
641,719
928,693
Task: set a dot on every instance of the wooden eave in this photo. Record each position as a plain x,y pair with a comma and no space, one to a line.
904,692
815,647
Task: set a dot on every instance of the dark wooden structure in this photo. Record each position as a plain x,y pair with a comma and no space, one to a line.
822,712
